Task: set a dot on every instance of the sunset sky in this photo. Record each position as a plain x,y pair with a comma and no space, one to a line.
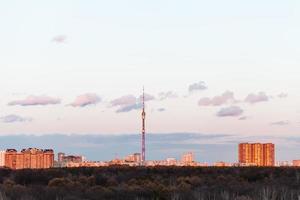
209,67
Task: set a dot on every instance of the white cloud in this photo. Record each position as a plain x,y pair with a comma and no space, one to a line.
197,86
167,95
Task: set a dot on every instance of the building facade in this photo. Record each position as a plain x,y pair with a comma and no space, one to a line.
257,154
31,158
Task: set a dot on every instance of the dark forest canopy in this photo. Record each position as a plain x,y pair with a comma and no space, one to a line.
175,183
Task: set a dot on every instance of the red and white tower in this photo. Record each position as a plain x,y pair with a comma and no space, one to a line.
143,129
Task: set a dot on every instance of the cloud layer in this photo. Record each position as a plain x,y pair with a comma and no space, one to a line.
14,118
36,100
86,99
231,111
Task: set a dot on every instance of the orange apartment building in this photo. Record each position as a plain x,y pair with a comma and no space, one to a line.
31,158
257,154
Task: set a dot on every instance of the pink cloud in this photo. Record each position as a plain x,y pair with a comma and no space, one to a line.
85,100
225,98
14,118
35,100
124,100
60,39
148,97
256,98
130,102
231,111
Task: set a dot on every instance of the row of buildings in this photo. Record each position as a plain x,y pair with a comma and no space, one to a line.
135,159
249,154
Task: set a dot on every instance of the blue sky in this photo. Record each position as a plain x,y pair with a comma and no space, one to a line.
212,67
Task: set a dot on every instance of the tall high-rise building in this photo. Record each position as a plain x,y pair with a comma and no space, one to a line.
257,154
31,158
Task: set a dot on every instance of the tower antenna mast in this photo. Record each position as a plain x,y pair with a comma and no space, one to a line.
143,128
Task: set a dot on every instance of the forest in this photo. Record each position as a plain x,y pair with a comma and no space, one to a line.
151,183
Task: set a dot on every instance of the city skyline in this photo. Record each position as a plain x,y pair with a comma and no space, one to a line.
160,99
213,77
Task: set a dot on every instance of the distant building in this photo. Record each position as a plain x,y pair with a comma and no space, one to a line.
2,158
222,164
64,160
257,154
60,156
137,157
187,158
171,161
296,163
129,158
72,158
87,164
133,158
31,158
283,164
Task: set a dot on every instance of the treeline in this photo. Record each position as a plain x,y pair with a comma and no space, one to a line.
139,183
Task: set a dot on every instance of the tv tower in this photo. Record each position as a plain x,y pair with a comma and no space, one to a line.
143,128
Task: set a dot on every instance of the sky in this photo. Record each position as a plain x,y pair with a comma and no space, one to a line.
208,67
